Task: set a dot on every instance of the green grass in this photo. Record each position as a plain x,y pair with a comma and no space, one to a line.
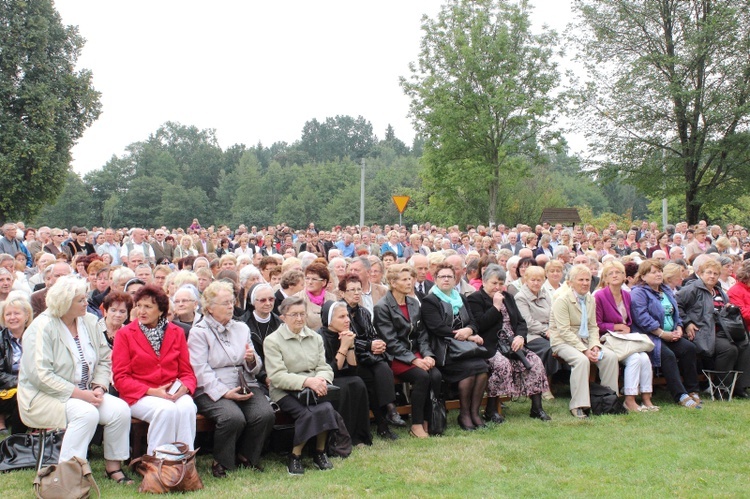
676,452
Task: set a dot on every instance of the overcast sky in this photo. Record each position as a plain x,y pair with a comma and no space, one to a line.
251,70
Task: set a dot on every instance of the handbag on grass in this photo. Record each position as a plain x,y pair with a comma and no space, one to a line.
170,469
437,419
624,345
66,480
23,450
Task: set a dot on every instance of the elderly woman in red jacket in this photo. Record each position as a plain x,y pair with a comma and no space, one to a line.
152,371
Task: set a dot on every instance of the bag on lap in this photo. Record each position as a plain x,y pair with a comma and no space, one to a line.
604,400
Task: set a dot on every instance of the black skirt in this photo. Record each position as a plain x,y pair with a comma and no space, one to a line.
309,421
354,408
455,371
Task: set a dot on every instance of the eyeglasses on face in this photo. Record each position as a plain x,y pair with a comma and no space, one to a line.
445,276
298,315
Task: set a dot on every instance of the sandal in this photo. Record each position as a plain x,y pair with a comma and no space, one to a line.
650,408
696,397
688,402
125,480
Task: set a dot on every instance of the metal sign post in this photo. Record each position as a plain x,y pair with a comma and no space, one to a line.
400,202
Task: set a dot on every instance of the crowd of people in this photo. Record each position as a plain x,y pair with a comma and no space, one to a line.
102,325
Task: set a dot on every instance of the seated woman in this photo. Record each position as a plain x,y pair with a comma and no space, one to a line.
499,320
613,314
295,359
654,311
398,320
15,317
523,264
117,307
574,337
186,305
700,302
220,351
535,304
315,294
372,364
64,377
152,371
260,319
446,316
553,270
338,341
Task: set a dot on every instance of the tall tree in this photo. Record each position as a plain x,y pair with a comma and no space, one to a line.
666,97
45,104
481,94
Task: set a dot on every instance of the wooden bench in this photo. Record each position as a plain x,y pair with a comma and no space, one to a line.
139,429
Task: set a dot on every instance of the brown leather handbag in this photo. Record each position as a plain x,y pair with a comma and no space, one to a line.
163,475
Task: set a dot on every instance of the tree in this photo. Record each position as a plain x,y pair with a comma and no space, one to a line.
45,104
666,97
481,94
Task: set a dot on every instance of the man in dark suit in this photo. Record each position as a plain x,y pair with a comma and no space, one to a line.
421,265
513,243
51,274
161,249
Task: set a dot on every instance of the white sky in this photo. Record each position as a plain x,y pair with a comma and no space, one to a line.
252,70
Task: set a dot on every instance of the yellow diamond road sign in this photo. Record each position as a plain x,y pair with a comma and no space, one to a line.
400,202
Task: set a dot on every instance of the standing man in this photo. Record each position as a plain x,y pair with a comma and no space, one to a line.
160,248
10,245
110,246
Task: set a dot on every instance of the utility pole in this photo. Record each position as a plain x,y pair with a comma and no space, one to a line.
362,197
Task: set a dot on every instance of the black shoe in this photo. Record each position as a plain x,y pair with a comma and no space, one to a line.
320,460
241,462
741,394
294,467
218,471
394,419
540,414
465,427
387,434
496,418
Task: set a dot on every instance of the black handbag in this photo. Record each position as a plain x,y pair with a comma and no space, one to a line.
23,450
731,321
449,350
507,352
308,397
438,417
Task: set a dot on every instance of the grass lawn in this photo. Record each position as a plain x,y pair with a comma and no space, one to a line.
676,452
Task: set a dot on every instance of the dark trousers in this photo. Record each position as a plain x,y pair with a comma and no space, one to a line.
241,427
679,358
421,383
378,378
730,357
13,422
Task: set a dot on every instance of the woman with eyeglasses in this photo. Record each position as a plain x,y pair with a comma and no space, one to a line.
700,302
261,320
372,361
221,350
295,359
315,295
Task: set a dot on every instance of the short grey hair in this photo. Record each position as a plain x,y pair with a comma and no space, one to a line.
291,301
247,272
493,270
60,296
578,269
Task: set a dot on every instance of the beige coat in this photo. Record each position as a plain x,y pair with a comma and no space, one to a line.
48,365
565,321
292,358
313,311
